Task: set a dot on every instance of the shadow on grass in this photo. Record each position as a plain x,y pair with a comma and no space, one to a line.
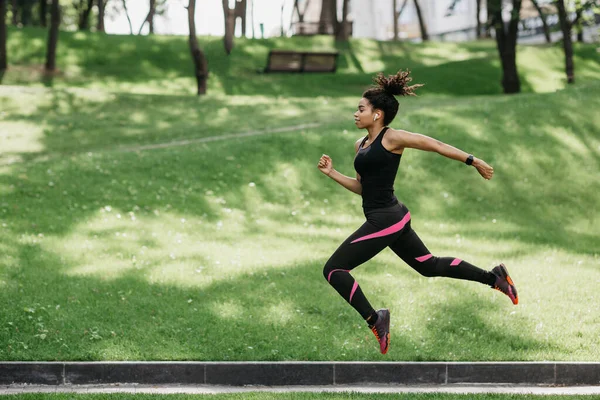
282,313
529,160
132,317
80,122
182,176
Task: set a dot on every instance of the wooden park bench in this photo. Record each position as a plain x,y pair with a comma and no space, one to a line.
301,61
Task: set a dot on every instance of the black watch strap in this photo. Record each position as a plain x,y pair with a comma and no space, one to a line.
469,160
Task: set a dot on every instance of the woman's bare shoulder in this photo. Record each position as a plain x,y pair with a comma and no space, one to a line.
358,142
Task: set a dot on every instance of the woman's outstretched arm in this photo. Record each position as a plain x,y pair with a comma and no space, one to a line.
403,139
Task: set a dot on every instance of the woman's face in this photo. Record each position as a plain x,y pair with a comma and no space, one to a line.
364,115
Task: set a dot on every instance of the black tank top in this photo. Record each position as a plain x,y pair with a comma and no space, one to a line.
377,168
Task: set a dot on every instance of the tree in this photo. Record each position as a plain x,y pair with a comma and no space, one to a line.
127,15
506,41
3,64
240,12
200,63
540,11
229,15
328,17
566,26
85,8
101,7
397,14
478,33
157,7
343,28
422,25
14,6
53,36
394,8
300,14
26,7
252,17
149,18
43,13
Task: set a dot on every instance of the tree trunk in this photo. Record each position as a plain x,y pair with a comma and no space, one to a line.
544,20
300,18
53,36
229,15
424,34
3,63
15,12
578,20
240,12
84,16
149,19
565,26
326,19
478,32
100,25
127,15
301,29
506,41
151,14
252,17
343,33
44,13
26,13
395,14
200,63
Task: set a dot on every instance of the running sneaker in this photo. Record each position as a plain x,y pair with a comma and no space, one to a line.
504,283
381,329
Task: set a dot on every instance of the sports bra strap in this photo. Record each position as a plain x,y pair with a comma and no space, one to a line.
380,136
363,142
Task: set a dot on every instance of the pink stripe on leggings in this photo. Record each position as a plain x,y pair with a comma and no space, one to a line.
387,231
329,276
353,290
424,258
456,261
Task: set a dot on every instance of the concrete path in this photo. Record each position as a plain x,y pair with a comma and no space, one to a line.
208,389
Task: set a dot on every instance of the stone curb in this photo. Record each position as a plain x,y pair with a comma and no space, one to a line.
300,373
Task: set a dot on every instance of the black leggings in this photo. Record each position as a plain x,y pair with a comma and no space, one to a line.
391,227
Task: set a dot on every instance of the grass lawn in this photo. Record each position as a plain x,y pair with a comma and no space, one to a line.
213,250
162,65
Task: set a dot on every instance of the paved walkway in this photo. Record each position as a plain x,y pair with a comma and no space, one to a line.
207,389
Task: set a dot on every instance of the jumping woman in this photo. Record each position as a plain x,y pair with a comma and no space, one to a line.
388,221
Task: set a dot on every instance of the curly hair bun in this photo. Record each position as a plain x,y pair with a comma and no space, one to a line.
396,85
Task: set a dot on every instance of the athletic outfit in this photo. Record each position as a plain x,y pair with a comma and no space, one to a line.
388,224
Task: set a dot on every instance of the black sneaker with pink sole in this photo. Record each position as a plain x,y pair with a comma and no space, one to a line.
505,284
381,329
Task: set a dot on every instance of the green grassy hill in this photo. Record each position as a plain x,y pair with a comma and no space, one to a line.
135,226
162,64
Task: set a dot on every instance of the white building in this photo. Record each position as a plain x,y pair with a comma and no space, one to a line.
374,19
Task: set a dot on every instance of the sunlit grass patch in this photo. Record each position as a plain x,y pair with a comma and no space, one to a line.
149,254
